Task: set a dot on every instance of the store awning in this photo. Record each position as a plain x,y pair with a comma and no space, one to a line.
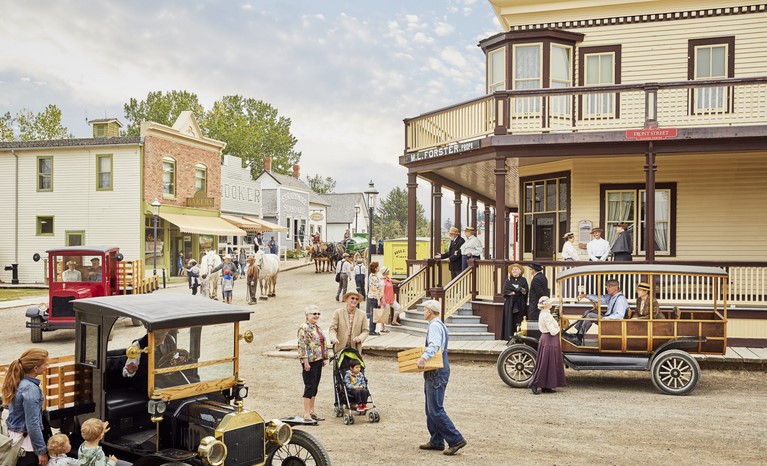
203,225
242,222
267,226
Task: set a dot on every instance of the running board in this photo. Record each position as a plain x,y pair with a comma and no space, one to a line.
586,361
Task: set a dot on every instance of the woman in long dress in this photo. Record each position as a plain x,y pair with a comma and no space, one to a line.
549,370
514,300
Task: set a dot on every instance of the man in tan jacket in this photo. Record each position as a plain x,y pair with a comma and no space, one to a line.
350,324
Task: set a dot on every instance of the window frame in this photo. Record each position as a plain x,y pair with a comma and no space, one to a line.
100,157
525,236
639,217
172,161
70,233
692,48
197,168
583,53
39,175
39,222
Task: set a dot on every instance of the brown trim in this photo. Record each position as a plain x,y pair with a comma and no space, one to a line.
521,214
735,313
518,37
644,18
729,41
747,343
582,52
636,187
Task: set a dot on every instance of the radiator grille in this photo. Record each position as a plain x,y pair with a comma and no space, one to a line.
245,445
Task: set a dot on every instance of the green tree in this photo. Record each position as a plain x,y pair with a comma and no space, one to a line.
41,126
321,185
252,130
161,108
6,127
391,220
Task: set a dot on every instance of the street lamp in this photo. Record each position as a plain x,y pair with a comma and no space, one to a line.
356,216
155,211
371,194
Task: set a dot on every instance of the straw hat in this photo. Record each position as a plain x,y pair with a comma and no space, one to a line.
453,231
596,229
568,234
71,263
519,266
349,293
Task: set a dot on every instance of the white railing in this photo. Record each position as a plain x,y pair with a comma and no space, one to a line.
413,289
458,293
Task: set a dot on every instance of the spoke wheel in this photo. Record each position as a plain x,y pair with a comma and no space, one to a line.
37,332
302,450
675,372
516,364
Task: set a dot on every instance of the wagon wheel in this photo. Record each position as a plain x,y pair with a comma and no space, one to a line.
675,372
303,449
174,358
37,332
516,364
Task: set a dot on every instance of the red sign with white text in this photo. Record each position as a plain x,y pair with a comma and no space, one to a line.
651,134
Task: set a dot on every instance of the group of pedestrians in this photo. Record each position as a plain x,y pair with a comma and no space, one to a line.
461,250
599,249
213,271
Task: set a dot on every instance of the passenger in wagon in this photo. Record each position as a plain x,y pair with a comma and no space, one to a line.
94,271
617,307
646,305
71,274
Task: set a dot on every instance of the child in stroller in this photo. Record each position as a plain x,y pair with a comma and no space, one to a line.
351,387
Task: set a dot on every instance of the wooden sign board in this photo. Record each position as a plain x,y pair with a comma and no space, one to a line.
407,360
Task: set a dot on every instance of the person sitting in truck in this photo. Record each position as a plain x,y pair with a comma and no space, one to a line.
71,274
94,271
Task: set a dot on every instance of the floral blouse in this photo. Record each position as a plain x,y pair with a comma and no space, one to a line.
375,286
311,343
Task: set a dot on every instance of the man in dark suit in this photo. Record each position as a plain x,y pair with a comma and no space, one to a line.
453,253
539,286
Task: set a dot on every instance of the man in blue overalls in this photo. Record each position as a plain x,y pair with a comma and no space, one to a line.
441,428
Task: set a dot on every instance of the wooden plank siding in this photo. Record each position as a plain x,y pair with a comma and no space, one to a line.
719,199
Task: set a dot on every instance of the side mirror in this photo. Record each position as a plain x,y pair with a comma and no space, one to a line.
36,257
119,257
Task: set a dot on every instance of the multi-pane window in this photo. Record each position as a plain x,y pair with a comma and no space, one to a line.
496,70
545,200
45,173
168,177
561,76
629,206
44,226
599,71
104,172
527,75
711,59
200,178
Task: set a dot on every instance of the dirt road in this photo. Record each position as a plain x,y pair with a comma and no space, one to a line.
600,418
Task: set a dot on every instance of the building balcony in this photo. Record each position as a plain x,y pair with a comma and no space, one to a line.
649,107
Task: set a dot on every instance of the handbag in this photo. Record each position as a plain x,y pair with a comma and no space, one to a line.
338,277
381,314
10,451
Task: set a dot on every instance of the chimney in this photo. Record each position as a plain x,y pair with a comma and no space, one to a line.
296,171
268,164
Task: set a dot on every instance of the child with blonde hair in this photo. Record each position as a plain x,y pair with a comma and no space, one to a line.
58,447
90,453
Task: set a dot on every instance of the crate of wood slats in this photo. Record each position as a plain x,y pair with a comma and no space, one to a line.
407,360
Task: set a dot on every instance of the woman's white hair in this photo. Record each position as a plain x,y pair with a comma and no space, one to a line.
310,308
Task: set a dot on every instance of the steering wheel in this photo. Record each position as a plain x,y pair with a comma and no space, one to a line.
176,357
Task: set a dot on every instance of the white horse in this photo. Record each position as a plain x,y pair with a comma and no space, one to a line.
269,267
208,262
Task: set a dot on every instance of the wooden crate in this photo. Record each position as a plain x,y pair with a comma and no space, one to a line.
408,358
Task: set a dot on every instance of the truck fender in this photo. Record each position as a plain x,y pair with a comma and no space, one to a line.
35,311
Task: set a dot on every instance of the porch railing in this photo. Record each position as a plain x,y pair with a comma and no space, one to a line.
734,101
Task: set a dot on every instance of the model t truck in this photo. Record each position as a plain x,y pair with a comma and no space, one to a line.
77,272
184,404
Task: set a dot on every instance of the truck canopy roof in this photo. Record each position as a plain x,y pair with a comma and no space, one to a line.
160,311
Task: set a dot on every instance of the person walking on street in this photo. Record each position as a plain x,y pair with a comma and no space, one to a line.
343,268
311,354
471,248
549,372
441,428
359,276
180,264
598,248
622,246
375,295
349,327
243,262
539,286
251,277
453,254
233,271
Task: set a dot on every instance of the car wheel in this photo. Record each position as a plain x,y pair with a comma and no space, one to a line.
675,372
516,364
303,449
37,332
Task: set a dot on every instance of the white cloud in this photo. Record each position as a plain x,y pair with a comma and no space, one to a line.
246,7
423,39
443,29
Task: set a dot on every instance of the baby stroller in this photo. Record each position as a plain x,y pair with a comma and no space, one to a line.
343,404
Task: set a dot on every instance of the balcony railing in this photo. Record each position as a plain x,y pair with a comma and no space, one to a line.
731,102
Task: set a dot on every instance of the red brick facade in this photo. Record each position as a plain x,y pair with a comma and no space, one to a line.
186,157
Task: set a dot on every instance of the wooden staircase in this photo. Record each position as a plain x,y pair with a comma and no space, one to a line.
463,325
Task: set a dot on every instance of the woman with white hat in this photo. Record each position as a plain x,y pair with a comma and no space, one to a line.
569,252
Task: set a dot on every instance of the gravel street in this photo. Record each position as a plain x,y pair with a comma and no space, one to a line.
600,418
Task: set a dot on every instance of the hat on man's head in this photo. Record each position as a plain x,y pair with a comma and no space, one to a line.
191,263
471,229
71,263
95,259
643,286
349,293
622,225
536,266
596,229
432,305
346,254
568,234
453,231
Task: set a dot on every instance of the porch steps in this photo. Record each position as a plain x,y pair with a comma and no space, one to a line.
462,326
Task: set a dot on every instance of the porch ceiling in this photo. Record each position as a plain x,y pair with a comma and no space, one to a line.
479,177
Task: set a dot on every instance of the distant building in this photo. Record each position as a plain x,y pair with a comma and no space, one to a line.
346,211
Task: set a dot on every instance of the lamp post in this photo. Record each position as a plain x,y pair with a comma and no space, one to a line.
356,216
155,211
371,194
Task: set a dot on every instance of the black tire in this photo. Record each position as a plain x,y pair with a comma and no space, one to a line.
303,449
675,372
516,364
36,332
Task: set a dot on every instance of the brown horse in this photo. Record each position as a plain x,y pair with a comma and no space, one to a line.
319,254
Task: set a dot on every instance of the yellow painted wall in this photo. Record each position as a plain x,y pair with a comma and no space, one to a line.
721,199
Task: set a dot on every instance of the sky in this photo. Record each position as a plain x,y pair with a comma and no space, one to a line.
345,72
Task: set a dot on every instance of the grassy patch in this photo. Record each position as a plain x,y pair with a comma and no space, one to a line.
8,294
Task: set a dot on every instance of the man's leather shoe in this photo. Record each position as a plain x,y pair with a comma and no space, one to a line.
429,446
454,449
548,390
534,389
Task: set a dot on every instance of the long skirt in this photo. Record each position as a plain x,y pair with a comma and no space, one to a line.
549,367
